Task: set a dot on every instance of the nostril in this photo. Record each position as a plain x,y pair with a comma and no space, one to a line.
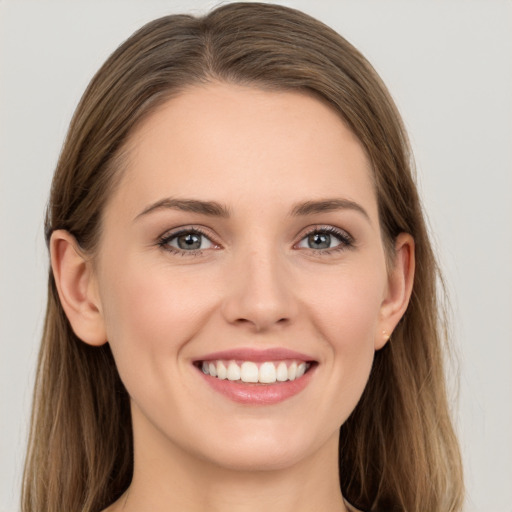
242,321
261,324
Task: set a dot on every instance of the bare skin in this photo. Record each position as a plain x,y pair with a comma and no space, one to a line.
263,269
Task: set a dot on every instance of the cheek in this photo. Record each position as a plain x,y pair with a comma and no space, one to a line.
150,314
347,318
348,311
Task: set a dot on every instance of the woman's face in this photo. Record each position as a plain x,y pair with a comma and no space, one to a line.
243,241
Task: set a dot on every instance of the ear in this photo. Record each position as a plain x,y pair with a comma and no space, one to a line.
76,285
399,288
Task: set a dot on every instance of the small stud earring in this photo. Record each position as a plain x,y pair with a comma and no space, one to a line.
385,334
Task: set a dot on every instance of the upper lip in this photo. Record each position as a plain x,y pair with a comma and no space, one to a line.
256,355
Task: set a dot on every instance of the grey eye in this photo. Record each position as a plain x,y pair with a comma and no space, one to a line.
321,240
189,241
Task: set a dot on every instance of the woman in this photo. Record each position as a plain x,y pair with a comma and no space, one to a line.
242,301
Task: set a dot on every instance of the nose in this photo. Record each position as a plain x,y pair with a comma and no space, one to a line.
260,292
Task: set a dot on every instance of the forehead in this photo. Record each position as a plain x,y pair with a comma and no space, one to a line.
242,143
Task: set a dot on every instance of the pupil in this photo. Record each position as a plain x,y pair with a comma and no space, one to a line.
189,241
319,241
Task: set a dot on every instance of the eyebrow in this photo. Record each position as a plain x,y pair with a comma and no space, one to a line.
328,205
210,208
215,209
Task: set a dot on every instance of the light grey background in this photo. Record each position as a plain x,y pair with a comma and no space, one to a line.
447,64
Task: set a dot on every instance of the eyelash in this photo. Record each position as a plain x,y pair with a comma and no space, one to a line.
346,240
165,239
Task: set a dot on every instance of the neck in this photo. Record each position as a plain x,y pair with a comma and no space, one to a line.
168,478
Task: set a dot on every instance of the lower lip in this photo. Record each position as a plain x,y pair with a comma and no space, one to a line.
259,394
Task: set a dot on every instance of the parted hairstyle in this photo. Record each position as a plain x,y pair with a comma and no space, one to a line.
398,450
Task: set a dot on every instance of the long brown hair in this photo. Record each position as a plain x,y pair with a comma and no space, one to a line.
398,451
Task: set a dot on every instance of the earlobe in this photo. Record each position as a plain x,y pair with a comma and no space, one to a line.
76,285
399,288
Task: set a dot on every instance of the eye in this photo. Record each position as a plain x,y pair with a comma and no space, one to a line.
326,239
187,240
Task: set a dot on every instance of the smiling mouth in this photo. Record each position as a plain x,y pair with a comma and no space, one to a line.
250,372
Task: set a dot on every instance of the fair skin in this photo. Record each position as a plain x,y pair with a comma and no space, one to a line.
260,269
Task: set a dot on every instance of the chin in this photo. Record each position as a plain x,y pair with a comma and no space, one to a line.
258,458
263,448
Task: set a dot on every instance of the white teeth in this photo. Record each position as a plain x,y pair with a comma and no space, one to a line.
282,372
222,371
267,373
292,371
233,371
249,371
